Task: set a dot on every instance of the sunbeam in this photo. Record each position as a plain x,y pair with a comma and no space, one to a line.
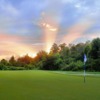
50,28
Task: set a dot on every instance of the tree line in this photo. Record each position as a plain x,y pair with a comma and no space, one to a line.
61,57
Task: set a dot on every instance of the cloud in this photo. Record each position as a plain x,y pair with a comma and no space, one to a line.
67,1
7,8
86,37
77,31
92,35
17,49
12,38
17,45
38,44
20,23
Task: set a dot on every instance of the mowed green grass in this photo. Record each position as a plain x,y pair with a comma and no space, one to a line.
47,85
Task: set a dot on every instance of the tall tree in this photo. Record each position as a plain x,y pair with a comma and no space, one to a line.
95,48
4,62
54,49
87,48
64,51
12,61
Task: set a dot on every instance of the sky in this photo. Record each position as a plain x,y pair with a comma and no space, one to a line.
29,26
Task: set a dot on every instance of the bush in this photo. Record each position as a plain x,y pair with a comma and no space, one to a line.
65,67
96,65
15,68
75,65
3,67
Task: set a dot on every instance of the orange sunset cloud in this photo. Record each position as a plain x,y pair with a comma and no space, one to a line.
10,45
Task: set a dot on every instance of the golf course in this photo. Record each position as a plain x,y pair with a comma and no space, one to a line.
48,85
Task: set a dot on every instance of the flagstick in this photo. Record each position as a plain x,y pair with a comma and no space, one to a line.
84,73
85,59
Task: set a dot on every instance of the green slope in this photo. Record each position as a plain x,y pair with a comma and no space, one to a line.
46,85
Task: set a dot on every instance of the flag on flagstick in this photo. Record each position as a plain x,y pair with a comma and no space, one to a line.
85,58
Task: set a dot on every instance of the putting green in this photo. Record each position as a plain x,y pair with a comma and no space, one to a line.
47,85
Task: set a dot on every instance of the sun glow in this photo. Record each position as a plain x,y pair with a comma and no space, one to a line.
50,28
31,54
16,49
50,35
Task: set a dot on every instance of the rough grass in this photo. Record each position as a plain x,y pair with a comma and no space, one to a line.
47,85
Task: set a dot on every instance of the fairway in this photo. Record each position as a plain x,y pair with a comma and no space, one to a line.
47,85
